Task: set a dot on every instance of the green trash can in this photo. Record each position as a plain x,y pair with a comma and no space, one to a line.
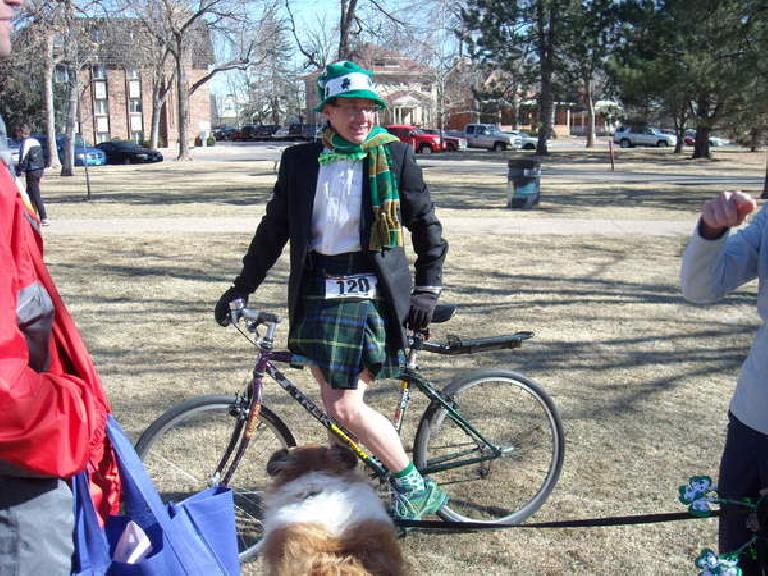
523,190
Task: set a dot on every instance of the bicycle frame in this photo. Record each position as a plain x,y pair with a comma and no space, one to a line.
247,408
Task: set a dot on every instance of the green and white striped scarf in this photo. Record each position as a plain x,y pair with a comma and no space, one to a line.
387,232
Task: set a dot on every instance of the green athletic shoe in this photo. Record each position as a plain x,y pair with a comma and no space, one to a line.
418,504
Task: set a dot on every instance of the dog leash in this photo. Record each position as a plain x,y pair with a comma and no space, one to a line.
453,527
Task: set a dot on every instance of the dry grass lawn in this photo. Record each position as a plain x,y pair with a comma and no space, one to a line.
641,378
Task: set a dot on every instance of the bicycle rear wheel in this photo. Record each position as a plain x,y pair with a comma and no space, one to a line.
182,448
514,414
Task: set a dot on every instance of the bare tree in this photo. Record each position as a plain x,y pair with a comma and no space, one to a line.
78,49
318,45
41,33
186,30
351,29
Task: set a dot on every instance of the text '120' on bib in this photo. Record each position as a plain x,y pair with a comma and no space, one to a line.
352,286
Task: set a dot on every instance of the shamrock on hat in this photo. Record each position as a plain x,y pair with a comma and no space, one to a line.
345,79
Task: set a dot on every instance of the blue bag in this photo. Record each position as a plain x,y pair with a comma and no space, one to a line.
195,537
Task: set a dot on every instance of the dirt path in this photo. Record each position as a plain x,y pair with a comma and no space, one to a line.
453,225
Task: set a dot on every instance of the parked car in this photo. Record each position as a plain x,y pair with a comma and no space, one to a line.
527,142
223,133
128,152
451,142
630,136
251,132
85,154
489,136
690,139
307,132
717,141
281,133
421,141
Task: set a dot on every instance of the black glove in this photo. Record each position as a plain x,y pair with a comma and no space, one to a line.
222,306
420,313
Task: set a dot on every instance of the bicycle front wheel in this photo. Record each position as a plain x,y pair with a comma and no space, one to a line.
515,415
183,447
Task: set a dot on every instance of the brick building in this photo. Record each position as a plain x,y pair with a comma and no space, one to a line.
116,103
116,88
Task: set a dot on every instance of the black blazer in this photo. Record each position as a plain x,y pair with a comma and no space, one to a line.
289,217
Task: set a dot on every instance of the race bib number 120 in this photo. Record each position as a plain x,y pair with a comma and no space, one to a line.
353,286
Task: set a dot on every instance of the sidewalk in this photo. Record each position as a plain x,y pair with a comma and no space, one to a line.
453,226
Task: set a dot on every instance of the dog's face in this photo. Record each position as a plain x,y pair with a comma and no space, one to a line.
286,465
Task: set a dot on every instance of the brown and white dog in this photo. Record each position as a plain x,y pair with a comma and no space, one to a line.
322,518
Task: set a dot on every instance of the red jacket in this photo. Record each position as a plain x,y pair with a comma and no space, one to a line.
52,416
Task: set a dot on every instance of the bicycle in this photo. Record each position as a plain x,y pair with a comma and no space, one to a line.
498,462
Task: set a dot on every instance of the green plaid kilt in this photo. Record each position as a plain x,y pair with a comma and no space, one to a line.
341,337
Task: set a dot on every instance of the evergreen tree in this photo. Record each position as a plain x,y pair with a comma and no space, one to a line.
519,40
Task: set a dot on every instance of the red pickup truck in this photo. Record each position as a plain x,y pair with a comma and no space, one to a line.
425,141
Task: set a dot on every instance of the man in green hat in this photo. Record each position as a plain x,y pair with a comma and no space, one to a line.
342,204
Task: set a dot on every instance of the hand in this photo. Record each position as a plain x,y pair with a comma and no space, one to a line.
727,210
420,313
222,306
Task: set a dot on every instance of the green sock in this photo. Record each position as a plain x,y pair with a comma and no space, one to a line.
408,480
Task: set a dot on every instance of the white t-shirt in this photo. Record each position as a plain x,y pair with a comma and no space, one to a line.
336,211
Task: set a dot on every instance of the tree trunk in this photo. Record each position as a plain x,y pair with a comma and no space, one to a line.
680,118
589,97
160,91
516,106
347,17
545,22
68,164
703,124
182,98
701,147
765,180
50,113
754,139
154,138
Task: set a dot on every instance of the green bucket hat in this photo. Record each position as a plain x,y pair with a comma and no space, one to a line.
346,79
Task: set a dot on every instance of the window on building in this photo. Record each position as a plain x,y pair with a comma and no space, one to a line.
136,123
100,90
132,74
134,105
99,73
137,137
102,137
102,124
134,89
61,75
100,108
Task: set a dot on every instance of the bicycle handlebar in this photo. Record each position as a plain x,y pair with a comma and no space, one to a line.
452,345
238,310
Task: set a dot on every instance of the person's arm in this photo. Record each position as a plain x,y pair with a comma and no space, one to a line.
419,217
23,164
716,262
44,428
271,235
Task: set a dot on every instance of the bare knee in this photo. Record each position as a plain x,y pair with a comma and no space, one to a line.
345,409
344,406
